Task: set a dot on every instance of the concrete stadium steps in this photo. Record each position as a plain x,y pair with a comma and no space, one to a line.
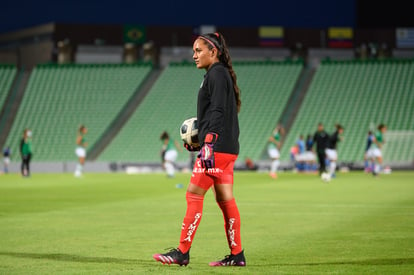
7,74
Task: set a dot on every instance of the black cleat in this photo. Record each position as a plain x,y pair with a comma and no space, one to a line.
174,256
231,260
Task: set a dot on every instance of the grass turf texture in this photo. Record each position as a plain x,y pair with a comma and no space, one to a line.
297,224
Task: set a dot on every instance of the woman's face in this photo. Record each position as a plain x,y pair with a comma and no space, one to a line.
202,55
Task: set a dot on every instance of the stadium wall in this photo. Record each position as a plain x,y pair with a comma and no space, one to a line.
39,44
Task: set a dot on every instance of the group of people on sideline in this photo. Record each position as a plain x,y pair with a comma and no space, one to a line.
320,147
318,153
26,152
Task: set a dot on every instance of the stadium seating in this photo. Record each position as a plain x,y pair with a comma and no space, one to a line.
265,89
59,98
359,95
7,74
171,100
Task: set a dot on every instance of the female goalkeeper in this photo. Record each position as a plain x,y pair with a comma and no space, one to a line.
218,129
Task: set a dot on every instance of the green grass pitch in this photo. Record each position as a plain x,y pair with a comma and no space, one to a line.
297,224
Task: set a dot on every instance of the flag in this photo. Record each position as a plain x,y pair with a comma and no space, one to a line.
134,34
340,37
271,36
405,37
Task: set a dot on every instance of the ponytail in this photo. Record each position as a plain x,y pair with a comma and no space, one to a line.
216,40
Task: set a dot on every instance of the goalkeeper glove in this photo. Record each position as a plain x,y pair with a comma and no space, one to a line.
207,151
191,148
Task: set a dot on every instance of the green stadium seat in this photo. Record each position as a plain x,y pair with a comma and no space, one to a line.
7,75
358,95
59,98
265,89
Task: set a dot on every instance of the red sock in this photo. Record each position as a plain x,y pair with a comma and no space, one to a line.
232,225
191,220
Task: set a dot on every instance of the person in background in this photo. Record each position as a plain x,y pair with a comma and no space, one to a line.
294,153
80,150
375,152
273,149
169,153
309,142
309,156
250,165
321,139
298,154
331,151
300,143
370,138
26,152
6,159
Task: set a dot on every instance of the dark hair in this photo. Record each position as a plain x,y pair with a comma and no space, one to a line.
382,125
164,135
81,128
339,126
223,54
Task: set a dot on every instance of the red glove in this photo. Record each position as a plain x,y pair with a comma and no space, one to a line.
207,152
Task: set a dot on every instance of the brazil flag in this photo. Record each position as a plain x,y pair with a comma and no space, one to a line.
134,34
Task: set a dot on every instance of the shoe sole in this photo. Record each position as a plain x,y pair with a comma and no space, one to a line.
228,264
168,260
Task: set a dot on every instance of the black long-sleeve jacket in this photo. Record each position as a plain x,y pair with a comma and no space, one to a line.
217,109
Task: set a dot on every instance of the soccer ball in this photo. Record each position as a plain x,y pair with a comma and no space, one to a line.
189,132
326,177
